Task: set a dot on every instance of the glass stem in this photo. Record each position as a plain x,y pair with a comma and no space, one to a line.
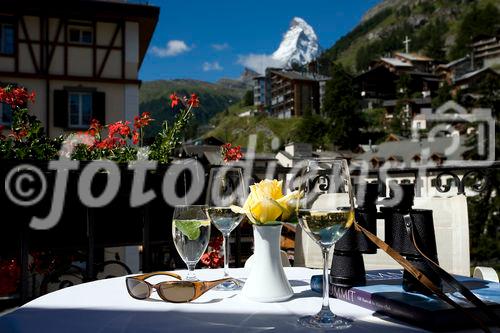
226,254
190,275
326,280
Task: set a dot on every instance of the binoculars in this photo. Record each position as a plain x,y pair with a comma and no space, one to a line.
401,220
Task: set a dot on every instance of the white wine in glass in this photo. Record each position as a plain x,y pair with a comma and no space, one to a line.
226,188
325,213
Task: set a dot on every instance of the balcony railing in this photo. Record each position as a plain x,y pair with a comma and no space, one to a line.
437,180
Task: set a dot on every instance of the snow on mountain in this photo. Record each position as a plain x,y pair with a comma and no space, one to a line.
299,45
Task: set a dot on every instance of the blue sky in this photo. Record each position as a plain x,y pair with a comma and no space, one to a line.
203,39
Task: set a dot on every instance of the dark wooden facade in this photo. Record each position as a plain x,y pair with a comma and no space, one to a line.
294,93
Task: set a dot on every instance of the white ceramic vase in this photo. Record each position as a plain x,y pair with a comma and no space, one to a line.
267,281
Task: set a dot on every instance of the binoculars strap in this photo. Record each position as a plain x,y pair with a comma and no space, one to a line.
445,276
424,280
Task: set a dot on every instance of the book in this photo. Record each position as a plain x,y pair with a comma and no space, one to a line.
384,294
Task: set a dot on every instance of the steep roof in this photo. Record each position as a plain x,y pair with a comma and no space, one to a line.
455,62
406,150
294,75
396,62
474,73
413,56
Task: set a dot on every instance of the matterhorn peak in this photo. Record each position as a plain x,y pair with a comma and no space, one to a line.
299,44
297,21
302,24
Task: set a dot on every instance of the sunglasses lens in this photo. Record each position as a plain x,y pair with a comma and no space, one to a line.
138,289
177,292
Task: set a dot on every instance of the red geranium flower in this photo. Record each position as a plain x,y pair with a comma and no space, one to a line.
212,258
143,120
230,153
194,101
111,143
124,130
31,97
19,134
135,137
95,127
120,127
16,97
174,100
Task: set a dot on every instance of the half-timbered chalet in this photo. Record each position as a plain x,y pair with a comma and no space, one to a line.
81,57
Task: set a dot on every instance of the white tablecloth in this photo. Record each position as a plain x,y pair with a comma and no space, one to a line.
105,306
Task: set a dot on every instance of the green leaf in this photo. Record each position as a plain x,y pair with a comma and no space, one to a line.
190,228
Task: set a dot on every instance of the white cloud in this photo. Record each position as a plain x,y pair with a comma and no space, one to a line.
259,62
171,49
212,66
220,47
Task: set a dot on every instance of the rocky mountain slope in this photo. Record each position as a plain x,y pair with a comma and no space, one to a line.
299,44
433,26
244,82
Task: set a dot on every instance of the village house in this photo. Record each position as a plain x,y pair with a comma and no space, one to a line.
486,50
286,93
378,86
82,58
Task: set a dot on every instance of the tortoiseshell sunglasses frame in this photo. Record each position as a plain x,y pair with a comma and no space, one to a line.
200,287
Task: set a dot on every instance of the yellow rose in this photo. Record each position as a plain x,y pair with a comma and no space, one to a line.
266,203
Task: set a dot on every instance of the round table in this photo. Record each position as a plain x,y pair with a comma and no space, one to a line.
105,306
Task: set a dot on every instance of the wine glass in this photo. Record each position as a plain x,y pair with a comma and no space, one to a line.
325,212
191,234
226,188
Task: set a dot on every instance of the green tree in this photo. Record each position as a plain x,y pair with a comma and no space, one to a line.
363,57
489,90
478,21
307,111
443,95
341,105
313,129
247,98
431,39
374,120
404,11
427,8
401,120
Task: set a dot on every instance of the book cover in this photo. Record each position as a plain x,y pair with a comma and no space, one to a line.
384,294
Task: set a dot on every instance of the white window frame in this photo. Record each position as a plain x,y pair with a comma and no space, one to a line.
3,39
80,30
80,95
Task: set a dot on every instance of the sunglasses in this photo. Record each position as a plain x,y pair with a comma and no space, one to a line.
169,291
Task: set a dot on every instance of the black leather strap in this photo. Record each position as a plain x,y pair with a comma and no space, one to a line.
424,280
445,276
